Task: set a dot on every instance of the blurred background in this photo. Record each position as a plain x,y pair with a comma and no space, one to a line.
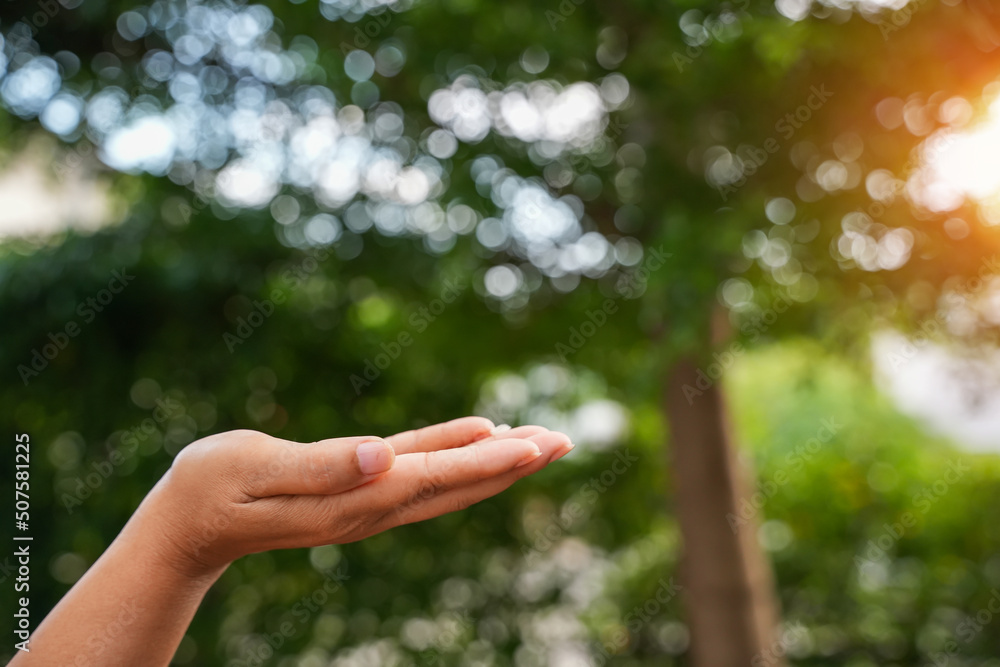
743,252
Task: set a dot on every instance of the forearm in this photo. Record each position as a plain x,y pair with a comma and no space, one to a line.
132,606
244,492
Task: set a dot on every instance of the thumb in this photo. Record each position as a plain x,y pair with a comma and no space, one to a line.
321,468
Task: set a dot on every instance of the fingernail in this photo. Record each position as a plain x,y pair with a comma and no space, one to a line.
562,452
502,428
375,456
529,458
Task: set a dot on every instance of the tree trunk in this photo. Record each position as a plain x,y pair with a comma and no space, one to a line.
728,585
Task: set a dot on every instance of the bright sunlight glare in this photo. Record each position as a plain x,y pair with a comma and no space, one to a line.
962,166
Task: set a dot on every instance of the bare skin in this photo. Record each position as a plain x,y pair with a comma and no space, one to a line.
243,492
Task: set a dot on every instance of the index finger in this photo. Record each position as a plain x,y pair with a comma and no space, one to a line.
448,435
277,467
422,475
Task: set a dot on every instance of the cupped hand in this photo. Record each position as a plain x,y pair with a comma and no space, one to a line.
243,492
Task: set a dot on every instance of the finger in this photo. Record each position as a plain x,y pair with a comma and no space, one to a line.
317,519
425,474
520,432
553,448
549,446
552,444
295,521
455,433
320,468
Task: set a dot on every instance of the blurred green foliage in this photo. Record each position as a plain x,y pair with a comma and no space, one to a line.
484,587
902,600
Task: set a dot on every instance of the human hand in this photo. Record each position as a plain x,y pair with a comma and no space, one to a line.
242,492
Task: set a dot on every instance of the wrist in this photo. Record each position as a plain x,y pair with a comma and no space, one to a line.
175,540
